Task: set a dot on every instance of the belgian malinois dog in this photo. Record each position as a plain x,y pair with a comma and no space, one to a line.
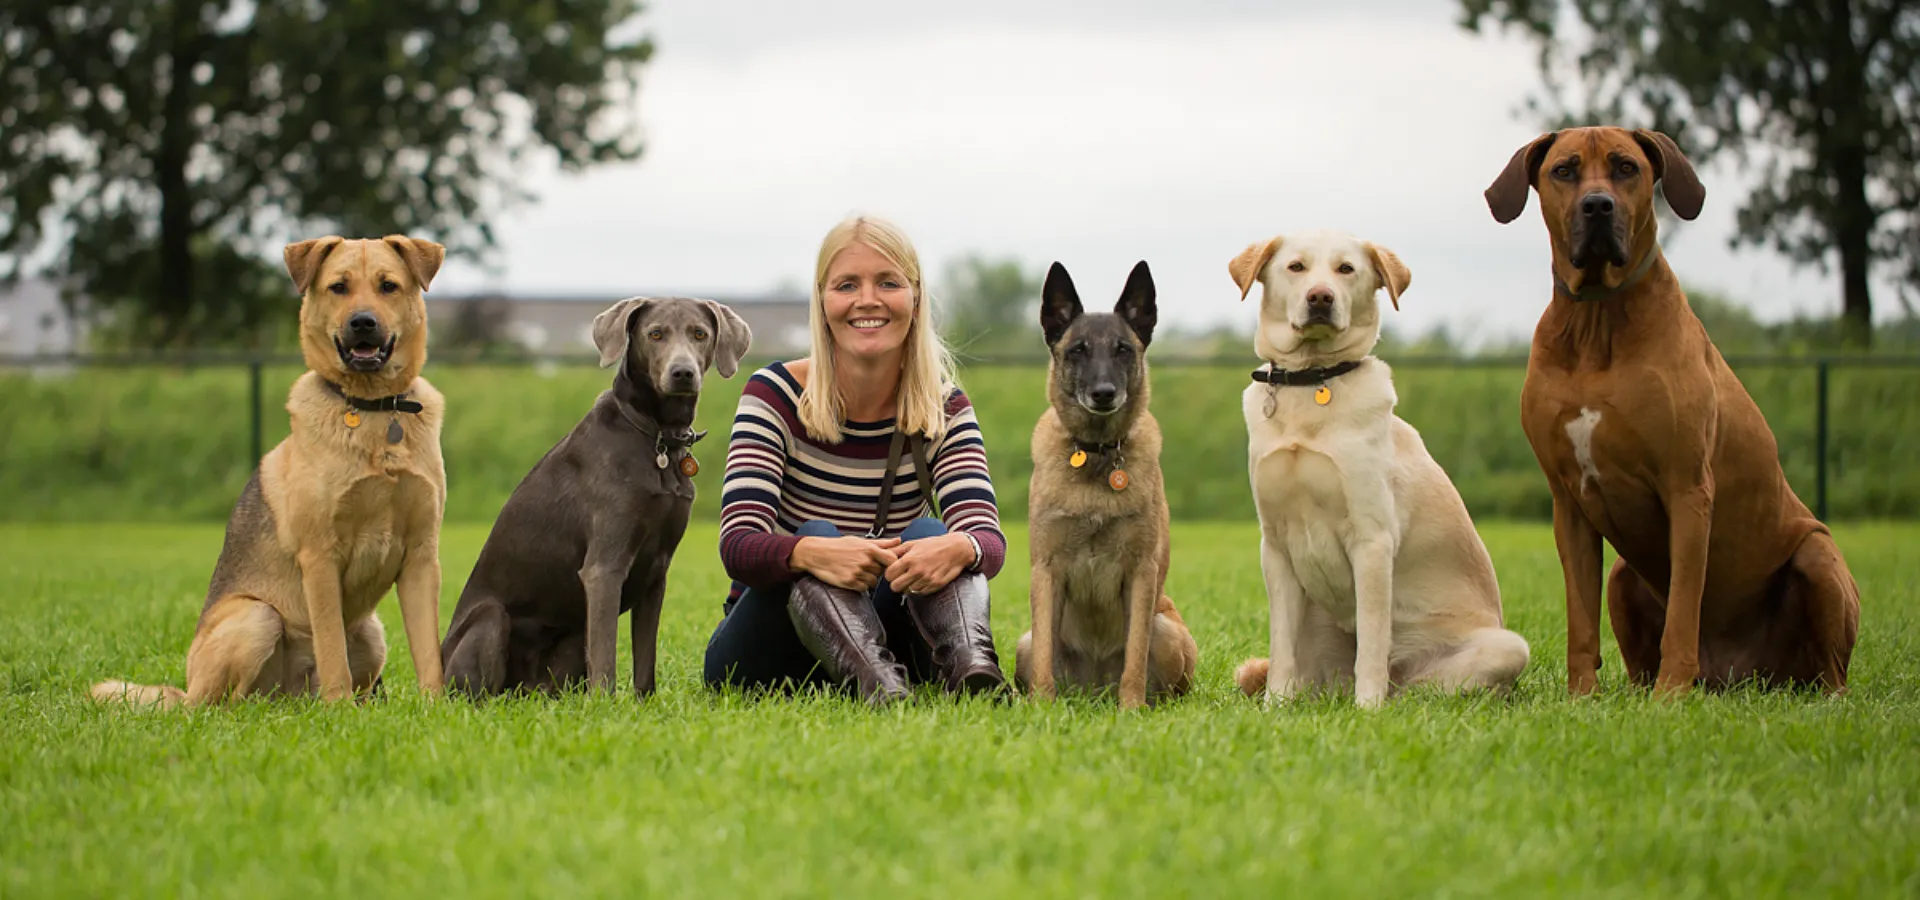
1098,510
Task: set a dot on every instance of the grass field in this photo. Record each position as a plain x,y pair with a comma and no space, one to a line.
1742,795
170,445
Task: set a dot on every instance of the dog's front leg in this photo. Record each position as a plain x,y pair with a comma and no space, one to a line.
1372,556
645,626
320,582
419,591
1286,608
1043,594
602,577
1142,590
1690,514
1579,545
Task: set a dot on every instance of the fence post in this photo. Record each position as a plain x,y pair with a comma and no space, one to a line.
252,375
1820,442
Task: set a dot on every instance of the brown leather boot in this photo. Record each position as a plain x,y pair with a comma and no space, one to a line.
954,622
842,630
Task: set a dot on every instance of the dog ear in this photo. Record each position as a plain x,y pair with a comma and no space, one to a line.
1246,267
1136,306
305,257
1678,183
423,257
611,327
1059,304
1507,196
731,338
1393,273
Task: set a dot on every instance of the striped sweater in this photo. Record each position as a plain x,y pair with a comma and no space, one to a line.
779,477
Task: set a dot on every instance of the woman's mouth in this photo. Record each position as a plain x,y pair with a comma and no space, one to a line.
868,324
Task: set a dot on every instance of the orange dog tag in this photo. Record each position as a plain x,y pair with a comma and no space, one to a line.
351,418
1078,459
689,466
1322,396
1118,480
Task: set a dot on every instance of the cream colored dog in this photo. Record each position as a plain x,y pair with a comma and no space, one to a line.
1374,573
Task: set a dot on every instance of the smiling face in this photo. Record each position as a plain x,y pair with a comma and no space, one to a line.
362,316
868,304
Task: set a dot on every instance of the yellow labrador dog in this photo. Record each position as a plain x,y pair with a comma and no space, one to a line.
1375,576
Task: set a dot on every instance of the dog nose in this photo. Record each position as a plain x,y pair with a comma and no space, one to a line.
1102,395
363,323
680,375
1320,298
1596,205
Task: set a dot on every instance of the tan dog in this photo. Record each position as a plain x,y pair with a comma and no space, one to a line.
1649,441
341,511
1375,576
1098,510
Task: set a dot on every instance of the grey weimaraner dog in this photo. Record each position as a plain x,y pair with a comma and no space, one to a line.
589,533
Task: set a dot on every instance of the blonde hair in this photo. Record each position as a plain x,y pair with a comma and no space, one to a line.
926,372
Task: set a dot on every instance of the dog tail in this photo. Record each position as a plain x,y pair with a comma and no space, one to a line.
1252,676
162,696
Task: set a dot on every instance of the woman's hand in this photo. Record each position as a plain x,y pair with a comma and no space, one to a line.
929,564
853,563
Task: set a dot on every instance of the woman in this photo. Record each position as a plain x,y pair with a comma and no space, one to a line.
840,572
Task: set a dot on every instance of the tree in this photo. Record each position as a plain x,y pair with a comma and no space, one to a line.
164,149
1826,96
990,306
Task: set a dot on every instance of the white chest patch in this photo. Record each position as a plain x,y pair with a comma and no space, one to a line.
1580,433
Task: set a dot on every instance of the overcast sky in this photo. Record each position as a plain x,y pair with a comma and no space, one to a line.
1096,134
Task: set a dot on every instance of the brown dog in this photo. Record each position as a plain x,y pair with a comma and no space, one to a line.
344,508
1649,441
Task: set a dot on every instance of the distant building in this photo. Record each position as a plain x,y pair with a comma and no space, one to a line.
33,321
562,325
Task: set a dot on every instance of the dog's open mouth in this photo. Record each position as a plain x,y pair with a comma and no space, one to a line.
363,355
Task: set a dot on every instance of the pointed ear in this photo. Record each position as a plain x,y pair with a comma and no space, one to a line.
423,257
1393,273
731,338
1678,182
304,259
610,328
1246,267
1059,303
1136,303
1507,196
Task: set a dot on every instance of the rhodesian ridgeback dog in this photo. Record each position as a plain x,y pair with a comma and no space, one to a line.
1649,441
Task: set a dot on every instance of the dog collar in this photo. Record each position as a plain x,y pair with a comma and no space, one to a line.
358,405
1273,377
1603,293
1109,454
681,443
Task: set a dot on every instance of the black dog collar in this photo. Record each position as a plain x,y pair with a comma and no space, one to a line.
1303,377
1602,293
666,445
395,403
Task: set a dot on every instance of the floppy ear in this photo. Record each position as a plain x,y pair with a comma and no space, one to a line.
1507,196
304,259
1678,183
1246,267
1135,305
1392,272
423,257
1059,303
731,338
610,328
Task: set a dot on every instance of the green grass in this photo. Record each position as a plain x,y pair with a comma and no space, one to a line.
172,445
689,794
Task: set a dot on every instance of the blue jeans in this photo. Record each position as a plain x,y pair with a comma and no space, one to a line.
755,645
